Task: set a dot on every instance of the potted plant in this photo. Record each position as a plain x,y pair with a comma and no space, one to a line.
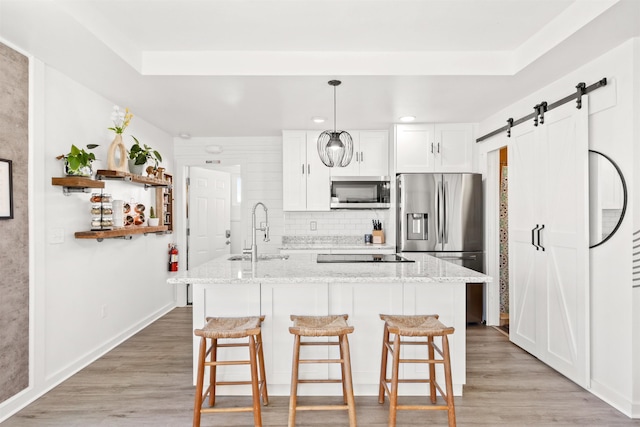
77,162
139,155
153,220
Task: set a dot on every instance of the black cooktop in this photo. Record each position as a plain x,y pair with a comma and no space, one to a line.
326,258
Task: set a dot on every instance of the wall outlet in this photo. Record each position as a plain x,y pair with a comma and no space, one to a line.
314,225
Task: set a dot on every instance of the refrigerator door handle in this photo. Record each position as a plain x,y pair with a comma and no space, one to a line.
438,215
445,231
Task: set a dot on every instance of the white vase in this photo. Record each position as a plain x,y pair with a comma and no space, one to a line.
154,222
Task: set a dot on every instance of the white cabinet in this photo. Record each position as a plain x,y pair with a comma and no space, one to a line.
445,300
305,180
549,241
364,302
370,155
279,302
441,147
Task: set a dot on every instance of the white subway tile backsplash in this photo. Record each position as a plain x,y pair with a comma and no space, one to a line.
340,223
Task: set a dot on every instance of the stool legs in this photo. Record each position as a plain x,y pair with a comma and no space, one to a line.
448,382
390,386
293,399
432,371
383,364
347,380
255,387
212,372
258,378
263,375
200,382
395,371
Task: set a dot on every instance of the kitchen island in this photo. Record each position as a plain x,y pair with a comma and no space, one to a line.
280,287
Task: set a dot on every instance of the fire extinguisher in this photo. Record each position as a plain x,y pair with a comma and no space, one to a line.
173,257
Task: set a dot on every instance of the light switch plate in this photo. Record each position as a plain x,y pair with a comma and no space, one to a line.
314,225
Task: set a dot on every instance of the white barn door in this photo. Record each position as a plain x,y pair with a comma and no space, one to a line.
548,191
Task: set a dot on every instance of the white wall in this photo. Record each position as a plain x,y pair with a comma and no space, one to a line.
74,282
636,227
612,114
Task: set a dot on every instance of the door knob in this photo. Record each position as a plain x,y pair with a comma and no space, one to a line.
228,242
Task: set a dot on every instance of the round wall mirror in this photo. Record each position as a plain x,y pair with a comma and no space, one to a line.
607,198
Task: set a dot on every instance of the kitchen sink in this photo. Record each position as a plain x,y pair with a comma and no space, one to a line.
262,257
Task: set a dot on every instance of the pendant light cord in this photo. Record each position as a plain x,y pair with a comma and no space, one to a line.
335,125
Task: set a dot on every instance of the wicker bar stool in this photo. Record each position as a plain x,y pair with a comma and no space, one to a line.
230,328
416,326
322,326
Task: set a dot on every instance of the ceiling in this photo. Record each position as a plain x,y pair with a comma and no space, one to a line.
255,67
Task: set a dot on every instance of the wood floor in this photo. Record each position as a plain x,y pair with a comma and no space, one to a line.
146,381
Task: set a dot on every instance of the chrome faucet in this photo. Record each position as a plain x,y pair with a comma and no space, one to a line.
253,250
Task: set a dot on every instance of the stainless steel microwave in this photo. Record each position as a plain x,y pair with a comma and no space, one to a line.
360,192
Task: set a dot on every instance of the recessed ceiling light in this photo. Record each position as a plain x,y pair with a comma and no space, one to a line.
184,135
318,119
407,118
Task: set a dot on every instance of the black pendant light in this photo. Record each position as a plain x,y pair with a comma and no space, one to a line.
335,147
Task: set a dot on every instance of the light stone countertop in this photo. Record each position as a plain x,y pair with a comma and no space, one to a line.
303,268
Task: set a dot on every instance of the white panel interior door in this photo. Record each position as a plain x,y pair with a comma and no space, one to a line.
565,318
209,215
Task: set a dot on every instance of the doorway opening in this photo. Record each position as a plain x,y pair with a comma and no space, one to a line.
213,212
504,239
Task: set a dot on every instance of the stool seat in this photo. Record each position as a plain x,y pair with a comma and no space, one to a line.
320,326
230,327
416,325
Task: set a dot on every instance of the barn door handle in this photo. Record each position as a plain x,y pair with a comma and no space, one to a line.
539,230
533,236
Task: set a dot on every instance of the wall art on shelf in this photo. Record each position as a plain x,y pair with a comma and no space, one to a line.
6,189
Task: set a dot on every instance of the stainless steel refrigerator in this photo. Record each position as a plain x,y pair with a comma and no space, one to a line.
442,214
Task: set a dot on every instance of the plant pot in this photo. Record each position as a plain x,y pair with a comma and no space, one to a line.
86,171
154,222
136,169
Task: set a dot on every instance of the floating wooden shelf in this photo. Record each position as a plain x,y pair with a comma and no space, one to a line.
122,232
78,184
126,176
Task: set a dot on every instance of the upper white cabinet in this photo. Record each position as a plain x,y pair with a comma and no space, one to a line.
370,155
305,180
441,147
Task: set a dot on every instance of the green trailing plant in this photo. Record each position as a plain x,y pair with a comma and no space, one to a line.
141,153
78,158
